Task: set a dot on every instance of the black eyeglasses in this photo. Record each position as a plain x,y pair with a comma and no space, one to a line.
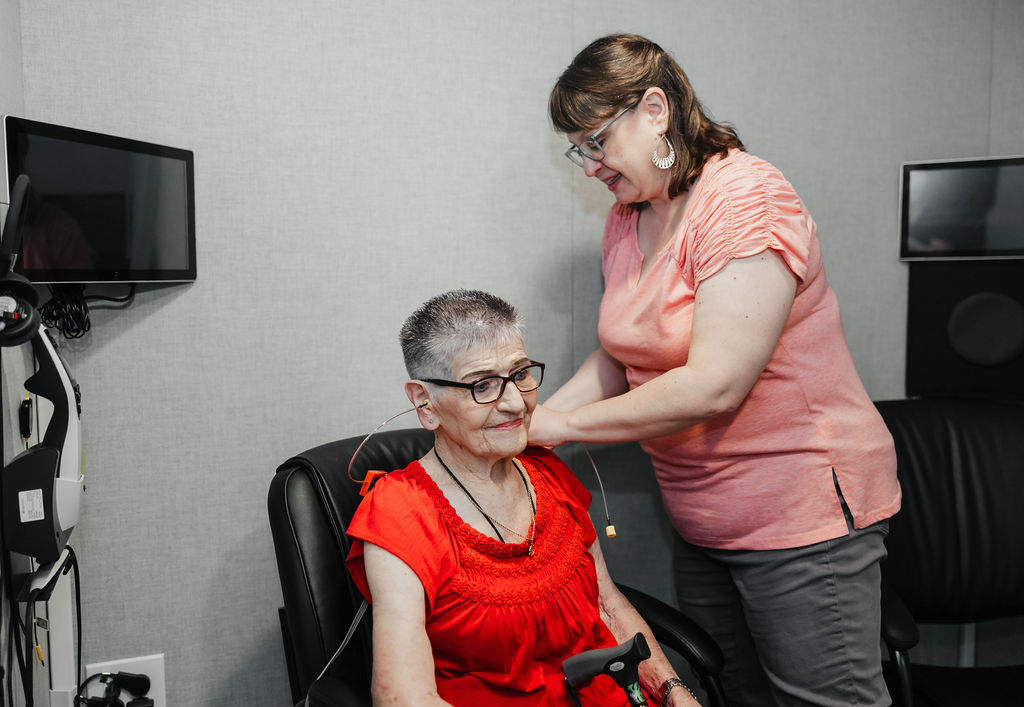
590,147
490,388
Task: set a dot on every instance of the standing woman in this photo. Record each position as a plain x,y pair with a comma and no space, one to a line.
722,352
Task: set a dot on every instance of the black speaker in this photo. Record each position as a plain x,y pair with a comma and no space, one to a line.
965,329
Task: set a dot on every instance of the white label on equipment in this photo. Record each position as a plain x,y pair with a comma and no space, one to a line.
30,504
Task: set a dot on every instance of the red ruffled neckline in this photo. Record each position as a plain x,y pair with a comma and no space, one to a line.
469,534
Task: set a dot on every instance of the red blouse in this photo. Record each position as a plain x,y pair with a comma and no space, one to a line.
500,622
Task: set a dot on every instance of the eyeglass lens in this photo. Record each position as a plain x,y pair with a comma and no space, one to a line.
487,390
590,147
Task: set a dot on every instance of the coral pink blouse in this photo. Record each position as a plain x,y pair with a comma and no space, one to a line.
500,621
761,477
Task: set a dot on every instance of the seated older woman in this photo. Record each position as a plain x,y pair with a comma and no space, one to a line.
480,559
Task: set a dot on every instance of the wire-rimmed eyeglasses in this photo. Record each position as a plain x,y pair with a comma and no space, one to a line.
590,147
490,388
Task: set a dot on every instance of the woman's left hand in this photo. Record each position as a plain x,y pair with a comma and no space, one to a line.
548,428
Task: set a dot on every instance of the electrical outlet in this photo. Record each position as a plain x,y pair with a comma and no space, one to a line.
150,665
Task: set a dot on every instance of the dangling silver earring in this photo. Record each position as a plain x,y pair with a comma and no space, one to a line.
666,161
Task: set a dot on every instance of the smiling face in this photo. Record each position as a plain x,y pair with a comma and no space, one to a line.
627,169
492,431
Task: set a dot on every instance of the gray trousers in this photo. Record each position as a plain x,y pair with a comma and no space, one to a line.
799,626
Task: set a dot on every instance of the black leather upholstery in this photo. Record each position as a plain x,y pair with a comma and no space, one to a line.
956,549
311,500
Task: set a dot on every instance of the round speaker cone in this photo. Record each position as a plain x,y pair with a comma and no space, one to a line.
987,329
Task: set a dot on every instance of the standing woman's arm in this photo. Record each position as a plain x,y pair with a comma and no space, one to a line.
738,317
599,376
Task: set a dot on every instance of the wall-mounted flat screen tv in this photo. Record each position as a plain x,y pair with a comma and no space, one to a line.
102,208
966,209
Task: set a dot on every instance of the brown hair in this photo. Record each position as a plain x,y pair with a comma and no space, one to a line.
612,73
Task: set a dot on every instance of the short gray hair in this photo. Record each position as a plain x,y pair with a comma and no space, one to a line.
452,322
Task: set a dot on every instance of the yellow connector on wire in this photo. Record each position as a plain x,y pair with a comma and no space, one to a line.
39,654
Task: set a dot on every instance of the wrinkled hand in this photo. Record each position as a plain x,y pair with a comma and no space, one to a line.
548,427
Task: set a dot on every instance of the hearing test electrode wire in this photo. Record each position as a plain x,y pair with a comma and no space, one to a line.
609,529
372,433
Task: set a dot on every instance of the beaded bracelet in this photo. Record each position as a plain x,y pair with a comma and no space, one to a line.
666,687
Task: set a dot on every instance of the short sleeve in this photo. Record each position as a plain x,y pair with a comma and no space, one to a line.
566,489
621,218
742,207
399,516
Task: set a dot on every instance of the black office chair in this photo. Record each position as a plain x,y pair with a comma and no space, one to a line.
956,549
310,502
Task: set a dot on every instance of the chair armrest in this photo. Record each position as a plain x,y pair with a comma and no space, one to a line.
899,630
677,631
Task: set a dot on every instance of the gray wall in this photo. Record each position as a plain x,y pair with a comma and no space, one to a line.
355,158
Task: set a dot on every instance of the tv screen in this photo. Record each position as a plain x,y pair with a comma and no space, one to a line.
102,208
962,209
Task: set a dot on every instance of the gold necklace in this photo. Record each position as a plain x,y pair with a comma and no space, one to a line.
492,521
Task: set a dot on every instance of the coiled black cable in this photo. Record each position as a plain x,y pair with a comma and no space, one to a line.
67,310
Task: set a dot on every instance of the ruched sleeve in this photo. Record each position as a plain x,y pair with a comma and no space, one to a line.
399,516
741,207
618,229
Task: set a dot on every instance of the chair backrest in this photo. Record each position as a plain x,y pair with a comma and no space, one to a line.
310,503
956,549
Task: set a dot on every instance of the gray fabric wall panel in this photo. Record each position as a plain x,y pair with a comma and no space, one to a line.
1007,107
12,93
354,159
